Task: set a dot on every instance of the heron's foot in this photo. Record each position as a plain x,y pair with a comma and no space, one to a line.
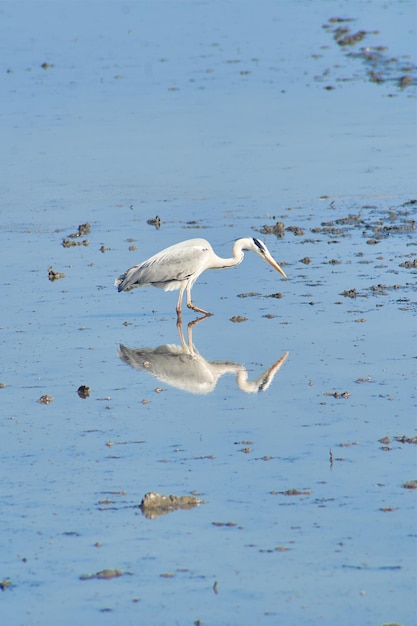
198,320
198,310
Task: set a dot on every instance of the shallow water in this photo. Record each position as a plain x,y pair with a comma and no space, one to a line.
219,121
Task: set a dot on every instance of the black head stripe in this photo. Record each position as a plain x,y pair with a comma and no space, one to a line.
259,244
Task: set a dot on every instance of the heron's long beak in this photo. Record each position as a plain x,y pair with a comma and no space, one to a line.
275,265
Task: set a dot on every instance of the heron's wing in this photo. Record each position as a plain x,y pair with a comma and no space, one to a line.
168,268
171,364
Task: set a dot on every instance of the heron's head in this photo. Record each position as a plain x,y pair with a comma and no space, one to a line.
260,248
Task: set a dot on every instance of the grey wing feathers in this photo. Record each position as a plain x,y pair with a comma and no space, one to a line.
169,266
129,279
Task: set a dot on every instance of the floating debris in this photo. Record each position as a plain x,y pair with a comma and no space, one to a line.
110,444
292,492
348,39
350,219
337,394
296,230
409,264
53,275
83,391
329,230
156,221
277,229
45,399
5,584
105,574
384,440
404,439
67,243
411,484
349,293
405,81
337,20
82,231
237,319
379,67
155,504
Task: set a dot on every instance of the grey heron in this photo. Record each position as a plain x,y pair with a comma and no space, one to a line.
179,266
183,367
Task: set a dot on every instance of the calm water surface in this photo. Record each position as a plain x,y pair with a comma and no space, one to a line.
221,118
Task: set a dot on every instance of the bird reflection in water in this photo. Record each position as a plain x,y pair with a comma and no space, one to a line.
183,367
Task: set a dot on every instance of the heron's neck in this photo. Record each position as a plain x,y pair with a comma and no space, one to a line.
237,257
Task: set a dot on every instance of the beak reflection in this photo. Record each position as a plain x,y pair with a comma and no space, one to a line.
183,367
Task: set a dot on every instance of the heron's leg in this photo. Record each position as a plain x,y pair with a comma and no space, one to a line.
198,310
179,304
190,327
193,306
181,334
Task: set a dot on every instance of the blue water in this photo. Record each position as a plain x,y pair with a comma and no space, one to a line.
216,117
